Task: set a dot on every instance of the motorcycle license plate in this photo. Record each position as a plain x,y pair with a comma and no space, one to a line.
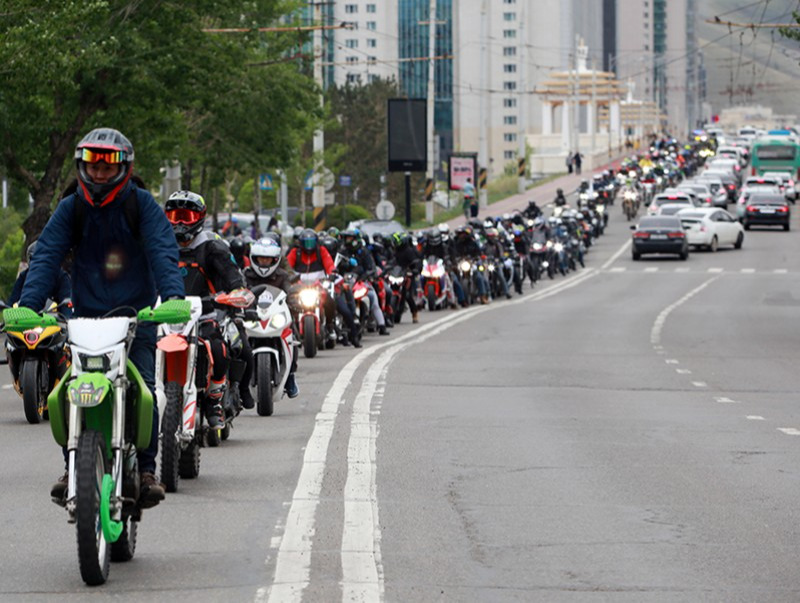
658,236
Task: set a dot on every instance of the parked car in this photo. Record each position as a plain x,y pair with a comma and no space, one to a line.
659,234
711,228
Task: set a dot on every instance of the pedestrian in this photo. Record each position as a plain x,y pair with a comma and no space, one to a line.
470,202
578,160
569,161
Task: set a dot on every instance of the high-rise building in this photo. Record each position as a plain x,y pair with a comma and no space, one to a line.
657,49
370,49
525,42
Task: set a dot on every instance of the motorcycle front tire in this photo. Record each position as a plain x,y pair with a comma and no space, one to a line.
32,399
94,553
264,399
170,447
309,337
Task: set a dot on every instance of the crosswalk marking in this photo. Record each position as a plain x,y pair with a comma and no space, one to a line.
789,430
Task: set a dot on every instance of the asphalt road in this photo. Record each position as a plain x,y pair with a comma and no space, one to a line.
629,433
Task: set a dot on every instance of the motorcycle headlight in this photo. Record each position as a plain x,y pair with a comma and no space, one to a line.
465,266
396,280
537,246
549,244
360,293
95,364
601,208
659,180
309,297
559,247
278,321
438,272
491,267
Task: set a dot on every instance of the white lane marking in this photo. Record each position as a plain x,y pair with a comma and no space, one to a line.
683,371
672,361
362,569
755,418
618,269
789,430
699,383
658,347
293,564
780,271
681,270
748,270
716,270
614,257
651,269
8,386
658,325
724,400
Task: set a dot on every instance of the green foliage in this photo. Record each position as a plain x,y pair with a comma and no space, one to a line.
11,250
147,68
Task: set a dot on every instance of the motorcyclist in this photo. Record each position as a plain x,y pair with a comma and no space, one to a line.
208,268
493,248
408,259
61,289
560,199
313,262
466,246
239,252
264,269
361,262
440,247
94,223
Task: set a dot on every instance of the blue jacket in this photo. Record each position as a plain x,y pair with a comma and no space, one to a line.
111,268
60,289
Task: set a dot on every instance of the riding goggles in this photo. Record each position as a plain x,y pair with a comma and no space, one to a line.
110,157
184,216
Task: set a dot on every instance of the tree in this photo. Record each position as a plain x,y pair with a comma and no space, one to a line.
146,68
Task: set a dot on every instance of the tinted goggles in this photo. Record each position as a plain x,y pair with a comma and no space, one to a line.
184,216
110,157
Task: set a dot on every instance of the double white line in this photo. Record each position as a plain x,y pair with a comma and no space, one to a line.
362,572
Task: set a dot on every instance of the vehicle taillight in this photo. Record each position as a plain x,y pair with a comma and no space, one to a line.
752,208
783,209
731,186
676,235
641,235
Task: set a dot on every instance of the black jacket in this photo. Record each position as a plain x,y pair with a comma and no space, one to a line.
208,266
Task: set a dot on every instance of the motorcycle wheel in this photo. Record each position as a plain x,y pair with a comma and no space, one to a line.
170,425
225,432
125,547
213,437
431,301
31,395
93,551
264,401
309,337
189,465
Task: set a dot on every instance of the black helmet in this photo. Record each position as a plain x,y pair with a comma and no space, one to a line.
238,248
109,146
186,211
350,239
559,191
30,250
434,237
308,240
333,232
400,239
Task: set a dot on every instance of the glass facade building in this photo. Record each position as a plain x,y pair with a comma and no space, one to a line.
413,41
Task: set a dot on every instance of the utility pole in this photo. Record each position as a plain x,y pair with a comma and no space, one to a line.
318,195
430,185
593,110
522,153
483,147
576,105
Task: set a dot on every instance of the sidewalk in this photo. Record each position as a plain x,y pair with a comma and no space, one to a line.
542,194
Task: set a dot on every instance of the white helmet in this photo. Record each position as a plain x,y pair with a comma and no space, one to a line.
265,256
444,228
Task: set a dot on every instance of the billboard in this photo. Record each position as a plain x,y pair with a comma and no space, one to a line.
460,167
408,140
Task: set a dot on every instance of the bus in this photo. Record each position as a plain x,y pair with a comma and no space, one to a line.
775,154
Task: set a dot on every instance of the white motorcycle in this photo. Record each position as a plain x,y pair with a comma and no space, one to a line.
269,329
177,397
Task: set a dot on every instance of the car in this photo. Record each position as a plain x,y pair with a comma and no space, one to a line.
659,234
670,209
730,181
789,190
711,228
370,227
726,163
718,190
766,210
701,191
748,191
763,180
671,197
733,152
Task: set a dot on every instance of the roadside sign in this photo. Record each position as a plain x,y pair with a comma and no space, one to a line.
384,210
265,182
345,181
309,184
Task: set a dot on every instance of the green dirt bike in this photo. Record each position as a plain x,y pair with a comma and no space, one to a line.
102,412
